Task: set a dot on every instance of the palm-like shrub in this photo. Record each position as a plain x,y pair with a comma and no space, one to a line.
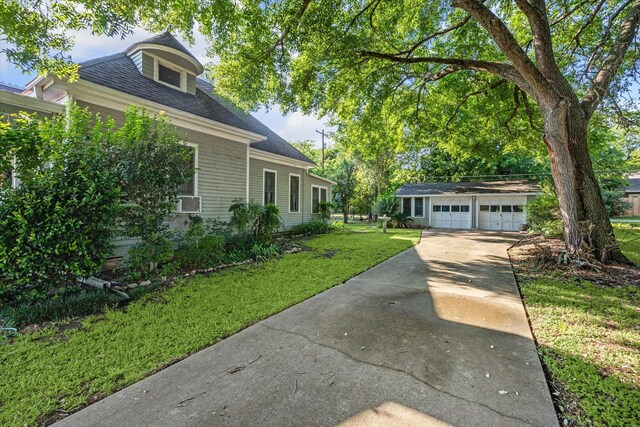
401,219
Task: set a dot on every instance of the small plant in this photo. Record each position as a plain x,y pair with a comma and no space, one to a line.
199,249
339,226
543,215
145,257
74,305
261,221
324,210
264,252
312,227
400,219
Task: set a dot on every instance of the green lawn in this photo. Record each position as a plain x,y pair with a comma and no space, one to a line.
61,370
629,240
589,340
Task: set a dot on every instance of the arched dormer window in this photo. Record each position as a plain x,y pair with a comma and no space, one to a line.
165,60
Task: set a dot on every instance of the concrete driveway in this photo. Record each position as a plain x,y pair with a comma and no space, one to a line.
436,335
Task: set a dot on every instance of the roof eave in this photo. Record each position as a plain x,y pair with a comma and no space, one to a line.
122,100
142,45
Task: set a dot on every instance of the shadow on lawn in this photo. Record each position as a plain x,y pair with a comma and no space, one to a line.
586,394
574,323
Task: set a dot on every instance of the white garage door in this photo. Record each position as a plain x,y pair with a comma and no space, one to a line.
450,212
501,212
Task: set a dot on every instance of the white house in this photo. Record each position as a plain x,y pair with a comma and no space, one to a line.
495,205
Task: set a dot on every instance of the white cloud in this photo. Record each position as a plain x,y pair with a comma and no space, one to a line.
298,127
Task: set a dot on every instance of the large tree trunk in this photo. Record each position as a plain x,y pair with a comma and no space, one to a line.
586,225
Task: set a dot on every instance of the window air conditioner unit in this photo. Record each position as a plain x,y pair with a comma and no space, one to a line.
189,204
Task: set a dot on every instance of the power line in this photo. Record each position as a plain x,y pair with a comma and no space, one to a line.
449,177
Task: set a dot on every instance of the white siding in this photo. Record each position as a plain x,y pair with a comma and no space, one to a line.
256,171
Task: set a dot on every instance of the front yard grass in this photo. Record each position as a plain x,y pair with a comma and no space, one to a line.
628,237
46,374
588,338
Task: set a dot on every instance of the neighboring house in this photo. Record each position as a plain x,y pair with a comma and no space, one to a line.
235,155
10,88
496,205
632,195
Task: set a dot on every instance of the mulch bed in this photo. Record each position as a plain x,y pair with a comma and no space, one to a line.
536,255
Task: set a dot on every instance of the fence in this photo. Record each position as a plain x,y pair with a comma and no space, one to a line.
635,206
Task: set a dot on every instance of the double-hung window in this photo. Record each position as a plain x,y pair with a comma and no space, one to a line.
189,187
269,187
294,193
318,195
418,207
406,205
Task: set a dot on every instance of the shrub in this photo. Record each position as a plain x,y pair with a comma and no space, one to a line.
199,249
82,182
400,219
79,304
243,215
543,215
268,222
386,205
264,252
324,210
614,202
261,221
149,158
219,228
339,226
59,222
315,226
144,257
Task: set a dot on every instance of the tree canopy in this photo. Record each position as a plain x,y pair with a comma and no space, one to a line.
472,78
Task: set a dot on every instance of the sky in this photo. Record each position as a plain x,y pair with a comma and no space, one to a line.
292,127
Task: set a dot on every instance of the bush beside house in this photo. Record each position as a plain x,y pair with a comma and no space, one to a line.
82,183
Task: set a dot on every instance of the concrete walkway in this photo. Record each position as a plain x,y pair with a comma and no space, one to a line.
436,335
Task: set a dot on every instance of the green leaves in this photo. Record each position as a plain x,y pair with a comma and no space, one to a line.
149,159
82,182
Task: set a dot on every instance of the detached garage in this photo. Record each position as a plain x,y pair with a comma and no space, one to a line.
495,205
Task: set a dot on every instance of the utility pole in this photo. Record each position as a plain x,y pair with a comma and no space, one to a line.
323,134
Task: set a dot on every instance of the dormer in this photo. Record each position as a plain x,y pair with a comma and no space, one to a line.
165,60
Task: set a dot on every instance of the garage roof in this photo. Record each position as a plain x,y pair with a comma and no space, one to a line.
442,188
634,184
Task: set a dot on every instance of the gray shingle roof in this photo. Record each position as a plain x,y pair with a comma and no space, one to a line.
634,185
118,72
273,144
496,187
166,39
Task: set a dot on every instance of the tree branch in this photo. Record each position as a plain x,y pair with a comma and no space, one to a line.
508,45
431,36
505,71
588,22
529,110
432,77
372,4
288,28
597,51
536,13
469,95
613,60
